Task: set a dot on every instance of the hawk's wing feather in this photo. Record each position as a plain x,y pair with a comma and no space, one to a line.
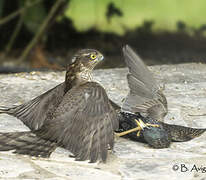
138,69
145,95
34,112
26,143
154,108
83,123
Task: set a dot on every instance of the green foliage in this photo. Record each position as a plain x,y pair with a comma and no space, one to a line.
165,14
33,16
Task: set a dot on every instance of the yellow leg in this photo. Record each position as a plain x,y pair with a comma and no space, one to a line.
138,133
140,126
153,125
128,131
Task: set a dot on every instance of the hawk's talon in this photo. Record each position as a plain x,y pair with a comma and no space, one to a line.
138,133
152,125
140,126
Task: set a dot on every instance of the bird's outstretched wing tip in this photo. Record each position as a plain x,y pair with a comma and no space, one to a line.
5,107
130,55
125,48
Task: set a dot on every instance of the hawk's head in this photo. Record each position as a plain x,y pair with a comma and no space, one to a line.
81,67
88,58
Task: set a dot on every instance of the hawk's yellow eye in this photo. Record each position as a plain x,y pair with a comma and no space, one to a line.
93,56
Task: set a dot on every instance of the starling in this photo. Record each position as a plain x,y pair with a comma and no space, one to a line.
76,115
142,114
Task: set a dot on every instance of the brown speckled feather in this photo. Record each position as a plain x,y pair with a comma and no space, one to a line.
145,95
26,143
34,112
76,115
83,129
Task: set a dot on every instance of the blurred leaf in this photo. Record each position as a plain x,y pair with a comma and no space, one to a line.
1,7
86,14
33,16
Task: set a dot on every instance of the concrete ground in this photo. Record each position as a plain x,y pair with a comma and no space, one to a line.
185,89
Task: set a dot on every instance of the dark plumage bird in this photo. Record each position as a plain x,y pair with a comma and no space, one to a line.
76,115
145,107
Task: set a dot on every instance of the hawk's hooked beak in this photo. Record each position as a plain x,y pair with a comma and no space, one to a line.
101,57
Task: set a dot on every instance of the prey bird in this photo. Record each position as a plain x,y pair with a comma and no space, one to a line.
143,111
76,115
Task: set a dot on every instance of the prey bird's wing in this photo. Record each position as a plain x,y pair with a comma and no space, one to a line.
83,123
145,95
34,112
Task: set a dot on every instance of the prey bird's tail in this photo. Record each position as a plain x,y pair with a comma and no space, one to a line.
26,143
182,133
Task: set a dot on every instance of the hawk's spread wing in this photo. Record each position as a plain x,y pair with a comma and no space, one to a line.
34,112
83,123
145,95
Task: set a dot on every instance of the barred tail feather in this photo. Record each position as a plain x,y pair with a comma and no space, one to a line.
26,143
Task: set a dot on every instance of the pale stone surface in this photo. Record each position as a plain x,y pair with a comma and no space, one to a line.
185,89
